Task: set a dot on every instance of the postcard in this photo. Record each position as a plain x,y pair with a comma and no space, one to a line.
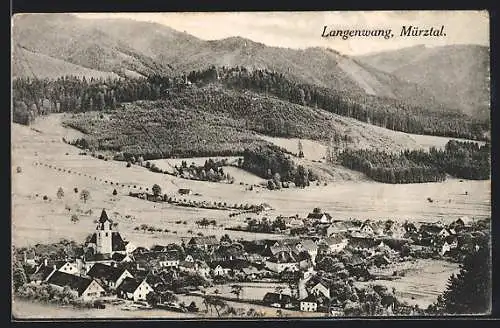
250,165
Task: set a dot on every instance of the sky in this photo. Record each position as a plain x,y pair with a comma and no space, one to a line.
303,29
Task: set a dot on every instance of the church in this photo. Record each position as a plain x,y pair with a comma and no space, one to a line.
106,242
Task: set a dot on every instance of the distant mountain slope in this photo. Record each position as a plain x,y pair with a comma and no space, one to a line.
43,66
127,46
79,42
457,75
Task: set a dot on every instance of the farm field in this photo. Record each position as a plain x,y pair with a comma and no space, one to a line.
35,220
423,282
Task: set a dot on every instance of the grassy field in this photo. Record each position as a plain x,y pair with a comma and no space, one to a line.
35,220
423,282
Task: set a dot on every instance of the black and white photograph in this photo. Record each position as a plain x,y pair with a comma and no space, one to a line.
250,165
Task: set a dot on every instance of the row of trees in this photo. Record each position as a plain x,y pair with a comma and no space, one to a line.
465,160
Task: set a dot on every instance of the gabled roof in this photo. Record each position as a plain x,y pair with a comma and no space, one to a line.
333,240
311,298
105,272
318,216
275,298
284,257
118,257
63,279
205,240
129,285
42,273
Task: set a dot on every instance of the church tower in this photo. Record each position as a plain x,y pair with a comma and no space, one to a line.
104,233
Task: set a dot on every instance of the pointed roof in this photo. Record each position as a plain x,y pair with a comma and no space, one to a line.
104,216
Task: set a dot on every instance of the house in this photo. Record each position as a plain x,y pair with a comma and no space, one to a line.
369,229
278,300
205,242
220,271
307,245
319,217
30,258
89,260
47,268
445,232
429,230
86,288
122,258
111,276
168,260
134,289
42,274
451,242
334,243
283,260
339,227
464,221
321,289
105,240
189,258
309,304
203,268
184,191
251,273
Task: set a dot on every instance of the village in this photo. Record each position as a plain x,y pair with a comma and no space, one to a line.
315,266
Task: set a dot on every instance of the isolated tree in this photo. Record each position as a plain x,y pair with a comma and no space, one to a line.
301,150
18,169
75,190
115,192
236,290
60,193
156,190
85,195
225,238
74,218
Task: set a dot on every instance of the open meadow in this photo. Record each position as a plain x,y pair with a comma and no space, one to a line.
47,163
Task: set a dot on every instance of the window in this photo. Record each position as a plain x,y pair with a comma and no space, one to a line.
106,234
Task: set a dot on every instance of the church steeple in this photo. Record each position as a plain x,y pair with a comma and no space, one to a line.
104,222
104,234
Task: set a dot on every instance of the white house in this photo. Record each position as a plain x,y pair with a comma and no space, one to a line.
281,261
320,289
335,244
309,304
67,267
169,261
449,244
86,288
220,271
189,258
133,289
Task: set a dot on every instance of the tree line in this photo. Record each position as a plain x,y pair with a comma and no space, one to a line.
33,97
465,160
385,112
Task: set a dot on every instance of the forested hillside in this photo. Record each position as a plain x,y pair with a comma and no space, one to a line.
465,160
37,96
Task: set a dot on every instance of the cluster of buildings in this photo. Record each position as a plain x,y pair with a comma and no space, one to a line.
113,267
